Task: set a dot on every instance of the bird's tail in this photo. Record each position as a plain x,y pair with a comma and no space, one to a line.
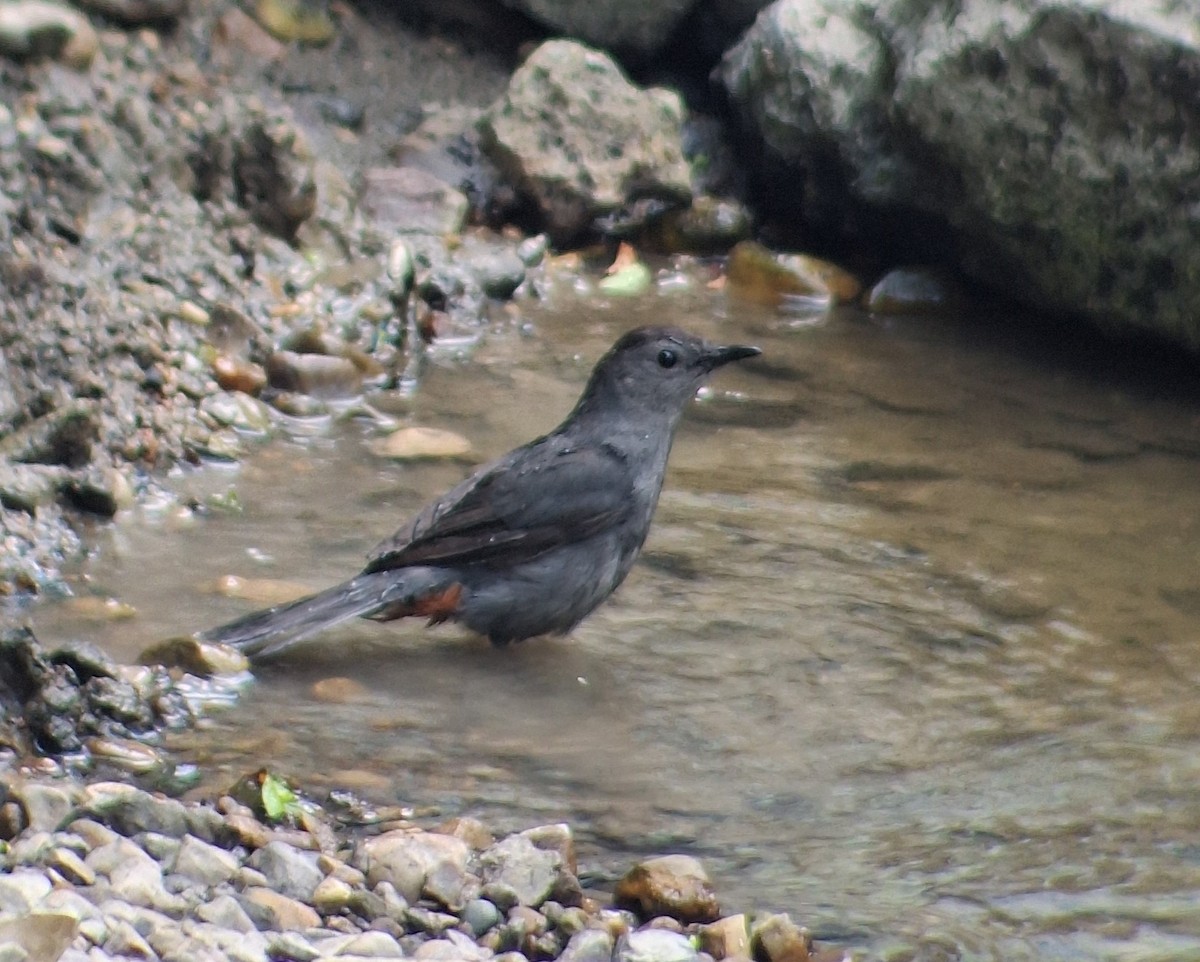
262,634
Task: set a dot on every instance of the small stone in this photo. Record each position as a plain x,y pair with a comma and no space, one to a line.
499,274
673,885
407,860
262,591
34,28
22,890
291,947
226,912
46,806
288,870
764,277
133,875
238,411
421,443
555,837
590,945
37,937
777,938
204,659
481,915
338,690
71,867
204,864
236,374
532,250
92,608
275,912
656,945
375,945
247,830
296,20
470,830
913,290
318,375
726,938
126,754
124,942
331,896
530,872
130,811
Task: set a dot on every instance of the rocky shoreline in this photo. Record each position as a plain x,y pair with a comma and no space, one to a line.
110,871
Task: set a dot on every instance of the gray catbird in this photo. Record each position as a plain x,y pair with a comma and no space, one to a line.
532,542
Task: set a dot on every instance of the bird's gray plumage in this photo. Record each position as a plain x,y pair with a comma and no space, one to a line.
531,543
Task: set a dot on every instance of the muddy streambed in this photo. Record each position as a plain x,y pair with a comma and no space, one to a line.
912,654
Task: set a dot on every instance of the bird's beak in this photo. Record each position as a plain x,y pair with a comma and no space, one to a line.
715,357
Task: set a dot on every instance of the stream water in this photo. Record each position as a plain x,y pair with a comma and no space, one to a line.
912,653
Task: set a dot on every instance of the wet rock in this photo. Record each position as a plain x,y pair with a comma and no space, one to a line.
35,28
777,938
126,754
611,141
338,691
262,591
656,945
204,659
202,863
726,938
412,201
288,870
293,947
421,443
93,608
409,861
764,277
913,290
102,491
499,273
277,913
709,225
303,21
932,116
532,250
273,177
238,411
671,885
319,375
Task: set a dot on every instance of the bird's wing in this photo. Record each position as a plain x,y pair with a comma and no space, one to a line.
547,494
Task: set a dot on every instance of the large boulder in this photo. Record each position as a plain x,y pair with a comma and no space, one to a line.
578,140
1051,144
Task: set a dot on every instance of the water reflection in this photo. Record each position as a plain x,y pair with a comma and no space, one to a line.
911,655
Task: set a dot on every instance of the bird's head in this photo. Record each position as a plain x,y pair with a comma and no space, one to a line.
656,369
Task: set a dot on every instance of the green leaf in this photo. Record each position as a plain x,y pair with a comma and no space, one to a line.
277,798
629,280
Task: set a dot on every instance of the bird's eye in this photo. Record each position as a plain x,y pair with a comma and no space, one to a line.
667,358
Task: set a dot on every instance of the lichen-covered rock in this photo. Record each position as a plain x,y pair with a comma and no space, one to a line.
1053,145
576,138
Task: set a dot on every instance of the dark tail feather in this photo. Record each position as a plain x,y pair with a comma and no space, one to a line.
262,634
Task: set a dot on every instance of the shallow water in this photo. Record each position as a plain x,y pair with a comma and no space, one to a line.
912,653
